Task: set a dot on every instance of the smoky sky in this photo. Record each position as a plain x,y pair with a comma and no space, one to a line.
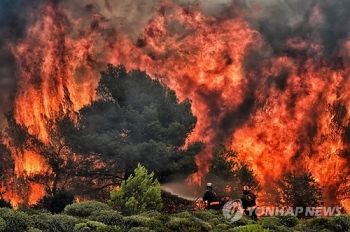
276,20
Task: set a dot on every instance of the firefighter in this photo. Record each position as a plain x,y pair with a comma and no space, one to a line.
248,203
211,199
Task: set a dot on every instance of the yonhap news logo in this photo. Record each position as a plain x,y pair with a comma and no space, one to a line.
233,211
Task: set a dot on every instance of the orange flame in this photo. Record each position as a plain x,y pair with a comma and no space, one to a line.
286,113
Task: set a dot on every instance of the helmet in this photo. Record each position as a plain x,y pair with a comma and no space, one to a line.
210,185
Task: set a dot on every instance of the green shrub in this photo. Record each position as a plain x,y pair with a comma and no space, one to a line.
176,223
153,223
40,221
108,217
31,211
136,221
14,221
53,223
188,224
242,221
184,214
62,223
138,193
109,229
270,222
288,220
94,226
31,229
222,227
164,218
150,213
340,222
249,228
319,223
2,224
81,227
212,217
139,229
85,209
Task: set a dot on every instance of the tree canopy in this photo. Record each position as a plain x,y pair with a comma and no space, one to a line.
136,120
295,190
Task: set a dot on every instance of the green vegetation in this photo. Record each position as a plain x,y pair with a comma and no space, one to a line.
138,193
100,217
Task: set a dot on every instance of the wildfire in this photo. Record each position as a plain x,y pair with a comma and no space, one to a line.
279,112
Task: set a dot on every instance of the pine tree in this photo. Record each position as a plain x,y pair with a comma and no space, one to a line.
138,193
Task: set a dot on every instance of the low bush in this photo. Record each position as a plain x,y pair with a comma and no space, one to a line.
270,222
53,223
136,221
31,211
95,227
14,221
188,224
108,217
319,223
139,229
164,218
176,223
242,221
340,222
154,224
249,228
109,229
151,213
288,220
31,229
85,209
81,227
222,227
2,224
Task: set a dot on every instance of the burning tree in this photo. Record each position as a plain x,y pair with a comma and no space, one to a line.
295,190
136,120
6,167
228,174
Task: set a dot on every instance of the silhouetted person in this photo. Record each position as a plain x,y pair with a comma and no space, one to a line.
212,201
248,203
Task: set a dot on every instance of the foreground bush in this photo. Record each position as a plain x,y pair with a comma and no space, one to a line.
288,220
340,222
136,221
249,228
108,217
85,209
138,193
53,223
2,224
95,226
14,221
